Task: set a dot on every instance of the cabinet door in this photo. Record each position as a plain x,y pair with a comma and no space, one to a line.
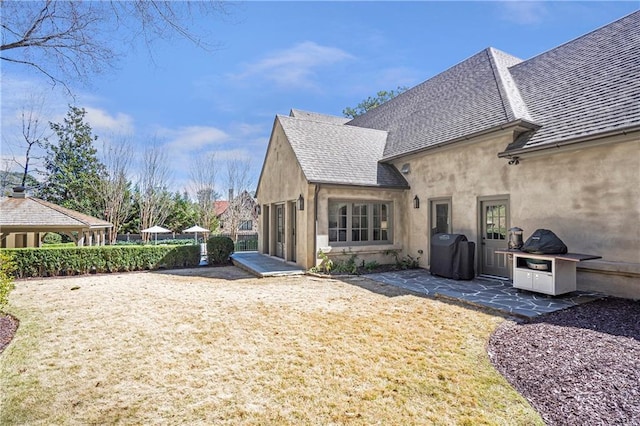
543,283
523,279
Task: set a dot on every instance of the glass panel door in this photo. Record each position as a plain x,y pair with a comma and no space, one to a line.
440,217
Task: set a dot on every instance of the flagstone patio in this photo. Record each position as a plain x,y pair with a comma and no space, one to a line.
492,293
484,291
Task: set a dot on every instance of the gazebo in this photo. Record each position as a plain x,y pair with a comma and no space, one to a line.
24,220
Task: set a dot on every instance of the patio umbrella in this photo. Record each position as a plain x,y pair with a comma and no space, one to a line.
196,229
156,230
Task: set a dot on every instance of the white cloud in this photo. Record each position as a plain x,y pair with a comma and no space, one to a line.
296,66
193,137
101,121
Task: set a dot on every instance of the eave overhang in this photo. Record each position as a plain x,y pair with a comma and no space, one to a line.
517,126
601,138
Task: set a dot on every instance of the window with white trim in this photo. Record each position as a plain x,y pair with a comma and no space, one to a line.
359,223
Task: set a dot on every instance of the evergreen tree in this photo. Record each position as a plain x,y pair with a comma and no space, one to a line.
73,171
372,102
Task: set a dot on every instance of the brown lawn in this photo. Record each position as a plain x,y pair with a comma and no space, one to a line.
215,346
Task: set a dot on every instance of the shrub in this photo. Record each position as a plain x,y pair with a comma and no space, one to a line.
7,267
52,238
219,249
46,262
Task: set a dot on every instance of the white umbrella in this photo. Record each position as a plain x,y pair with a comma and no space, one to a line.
196,229
156,230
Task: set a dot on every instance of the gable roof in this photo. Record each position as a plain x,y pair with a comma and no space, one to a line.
314,116
338,154
220,207
32,212
474,95
587,86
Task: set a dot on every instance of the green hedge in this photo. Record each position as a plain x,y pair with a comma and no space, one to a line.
48,262
219,248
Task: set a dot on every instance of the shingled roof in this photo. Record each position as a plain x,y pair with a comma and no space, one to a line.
474,95
32,213
339,154
587,86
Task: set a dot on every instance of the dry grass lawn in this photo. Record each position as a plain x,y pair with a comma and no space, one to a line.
215,346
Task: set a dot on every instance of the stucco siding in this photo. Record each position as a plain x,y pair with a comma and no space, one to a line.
589,197
364,252
282,181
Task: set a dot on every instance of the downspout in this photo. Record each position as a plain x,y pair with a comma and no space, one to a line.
315,223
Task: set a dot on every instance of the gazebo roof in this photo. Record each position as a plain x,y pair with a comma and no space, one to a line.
24,214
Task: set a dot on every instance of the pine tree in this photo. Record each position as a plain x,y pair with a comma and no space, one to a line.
73,171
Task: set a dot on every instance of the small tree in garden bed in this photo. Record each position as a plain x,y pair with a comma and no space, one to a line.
219,249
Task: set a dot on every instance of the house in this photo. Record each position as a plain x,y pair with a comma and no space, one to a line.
238,216
491,143
25,220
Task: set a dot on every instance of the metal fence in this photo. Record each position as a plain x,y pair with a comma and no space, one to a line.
244,242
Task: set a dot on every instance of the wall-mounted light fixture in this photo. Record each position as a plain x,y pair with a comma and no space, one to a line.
300,202
406,168
258,209
416,202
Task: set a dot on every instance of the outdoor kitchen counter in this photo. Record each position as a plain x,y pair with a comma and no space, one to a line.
559,278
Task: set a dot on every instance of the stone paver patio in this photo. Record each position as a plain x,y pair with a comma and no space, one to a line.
487,292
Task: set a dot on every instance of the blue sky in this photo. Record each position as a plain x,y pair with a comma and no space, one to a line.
274,56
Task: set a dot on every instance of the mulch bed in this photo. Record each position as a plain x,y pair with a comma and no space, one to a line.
8,327
578,366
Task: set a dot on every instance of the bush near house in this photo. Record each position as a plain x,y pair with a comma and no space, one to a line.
7,267
219,249
48,262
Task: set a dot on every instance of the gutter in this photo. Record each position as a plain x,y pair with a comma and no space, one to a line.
567,143
528,125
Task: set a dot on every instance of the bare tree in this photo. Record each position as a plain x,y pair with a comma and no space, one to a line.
68,40
116,187
203,180
34,137
241,205
30,143
154,199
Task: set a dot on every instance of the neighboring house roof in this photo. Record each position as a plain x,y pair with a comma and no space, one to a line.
32,212
220,207
339,154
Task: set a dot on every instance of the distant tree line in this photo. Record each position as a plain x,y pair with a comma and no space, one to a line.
76,177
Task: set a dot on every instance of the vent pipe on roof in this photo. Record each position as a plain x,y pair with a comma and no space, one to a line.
18,192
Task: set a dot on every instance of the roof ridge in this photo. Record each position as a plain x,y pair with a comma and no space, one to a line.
514,106
72,214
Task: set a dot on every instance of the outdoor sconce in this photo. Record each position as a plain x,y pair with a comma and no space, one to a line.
416,202
300,202
258,209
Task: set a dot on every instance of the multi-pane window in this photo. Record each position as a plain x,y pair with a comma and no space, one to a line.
246,225
359,222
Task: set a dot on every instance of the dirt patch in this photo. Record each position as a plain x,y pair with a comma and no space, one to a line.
577,366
